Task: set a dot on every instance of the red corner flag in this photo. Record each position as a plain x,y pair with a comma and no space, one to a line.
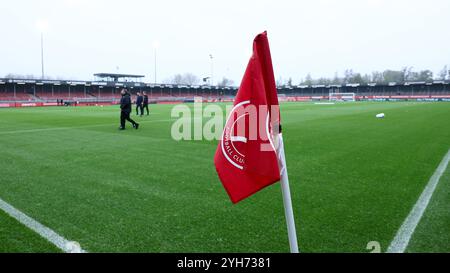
246,158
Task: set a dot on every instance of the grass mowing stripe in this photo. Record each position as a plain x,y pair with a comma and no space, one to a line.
401,240
37,227
69,128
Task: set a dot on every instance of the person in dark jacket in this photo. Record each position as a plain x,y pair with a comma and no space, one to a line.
139,101
145,103
125,110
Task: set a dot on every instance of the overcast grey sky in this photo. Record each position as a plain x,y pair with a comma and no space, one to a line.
316,36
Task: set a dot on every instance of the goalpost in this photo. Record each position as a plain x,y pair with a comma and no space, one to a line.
342,96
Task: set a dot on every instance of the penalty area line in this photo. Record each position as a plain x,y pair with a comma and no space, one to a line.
401,239
45,232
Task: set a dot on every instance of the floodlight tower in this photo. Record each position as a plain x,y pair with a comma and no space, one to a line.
42,26
212,69
155,48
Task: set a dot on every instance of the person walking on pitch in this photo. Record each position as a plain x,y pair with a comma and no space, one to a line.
125,110
145,103
139,101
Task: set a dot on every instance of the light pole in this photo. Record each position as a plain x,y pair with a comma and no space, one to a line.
42,26
212,69
42,54
155,47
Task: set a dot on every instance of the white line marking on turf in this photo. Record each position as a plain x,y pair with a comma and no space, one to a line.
43,231
401,240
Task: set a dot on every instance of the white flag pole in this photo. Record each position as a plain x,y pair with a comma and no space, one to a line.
286,192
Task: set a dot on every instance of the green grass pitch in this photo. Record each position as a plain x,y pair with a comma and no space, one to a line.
354,179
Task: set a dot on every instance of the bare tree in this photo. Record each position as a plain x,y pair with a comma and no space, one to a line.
377,77
279,81
322,81
397,76
407,74
308,80
225,82
336,79
425,75
178,79
443,74
366,78
191,79
348,75
186,78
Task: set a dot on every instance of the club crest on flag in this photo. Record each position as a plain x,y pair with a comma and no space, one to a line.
231,143
244,124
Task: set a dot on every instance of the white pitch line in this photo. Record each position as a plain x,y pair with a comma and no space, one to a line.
69,128
401,240
45,232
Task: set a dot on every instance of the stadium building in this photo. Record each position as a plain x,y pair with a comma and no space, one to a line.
106,88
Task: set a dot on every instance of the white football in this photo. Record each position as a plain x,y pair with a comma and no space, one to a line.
381,115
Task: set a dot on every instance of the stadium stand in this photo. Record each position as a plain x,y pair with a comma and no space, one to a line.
20,90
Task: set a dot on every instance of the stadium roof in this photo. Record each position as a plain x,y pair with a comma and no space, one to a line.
117,76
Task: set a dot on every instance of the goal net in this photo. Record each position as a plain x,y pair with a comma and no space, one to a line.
342,96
